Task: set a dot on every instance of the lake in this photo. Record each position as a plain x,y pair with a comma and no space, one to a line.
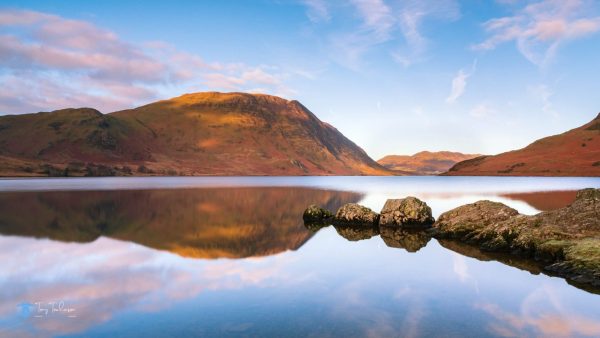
230,256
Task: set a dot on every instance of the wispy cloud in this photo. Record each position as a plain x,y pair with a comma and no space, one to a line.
411,16
409,24
540,28
50,62
543,94
542,314
376,26
317,10
460,267
381,22
481,110
246,77
377,17
459,83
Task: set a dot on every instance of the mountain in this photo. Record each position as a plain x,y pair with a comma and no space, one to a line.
573,153
194,134
424,163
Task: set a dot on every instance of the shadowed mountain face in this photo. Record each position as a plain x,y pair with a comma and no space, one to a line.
425,162
199,223
573,153
194,134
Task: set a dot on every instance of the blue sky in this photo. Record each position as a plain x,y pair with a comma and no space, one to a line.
396,77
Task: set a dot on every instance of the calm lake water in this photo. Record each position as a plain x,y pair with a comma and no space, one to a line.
146,257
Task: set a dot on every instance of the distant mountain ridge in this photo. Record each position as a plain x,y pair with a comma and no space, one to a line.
195,134
573,153
424,162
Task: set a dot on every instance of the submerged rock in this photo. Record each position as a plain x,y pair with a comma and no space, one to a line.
409,212
410,240
566,239
353,214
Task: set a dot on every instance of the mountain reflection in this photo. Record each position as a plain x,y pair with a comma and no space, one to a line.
199,223
545,200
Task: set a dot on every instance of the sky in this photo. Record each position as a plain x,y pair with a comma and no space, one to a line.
394,76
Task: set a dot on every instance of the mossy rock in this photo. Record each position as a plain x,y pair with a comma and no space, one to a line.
315,213
409,212
353,214
568,239
552,250
584,254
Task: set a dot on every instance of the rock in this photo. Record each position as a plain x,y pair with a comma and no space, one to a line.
590,195
581,262
357,215
469,220
315,213
356,233
316,218
566,240
408,212
410,240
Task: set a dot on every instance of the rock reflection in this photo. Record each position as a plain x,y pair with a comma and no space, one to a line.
521,263
518,262
199,223
315,226
356,233
410,240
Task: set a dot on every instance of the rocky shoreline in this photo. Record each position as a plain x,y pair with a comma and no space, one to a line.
564,242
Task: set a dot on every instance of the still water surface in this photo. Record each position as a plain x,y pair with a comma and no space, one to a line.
127,257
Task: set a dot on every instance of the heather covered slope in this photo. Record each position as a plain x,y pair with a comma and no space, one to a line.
573,153
424,162
194,134
67,134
